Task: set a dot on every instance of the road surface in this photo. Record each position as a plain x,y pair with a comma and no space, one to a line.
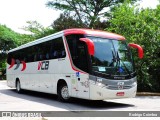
35,101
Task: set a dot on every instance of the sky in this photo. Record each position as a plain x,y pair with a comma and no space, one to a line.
15,13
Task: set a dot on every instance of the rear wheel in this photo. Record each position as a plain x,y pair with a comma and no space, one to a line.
63,93
18,86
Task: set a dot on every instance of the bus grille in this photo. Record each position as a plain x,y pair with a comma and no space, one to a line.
118,88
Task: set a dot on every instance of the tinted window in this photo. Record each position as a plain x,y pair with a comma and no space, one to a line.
78,50
52,49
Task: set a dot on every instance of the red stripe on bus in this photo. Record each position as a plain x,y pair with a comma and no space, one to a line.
24,65
12,63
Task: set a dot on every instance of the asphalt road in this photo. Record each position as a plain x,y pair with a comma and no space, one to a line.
35,101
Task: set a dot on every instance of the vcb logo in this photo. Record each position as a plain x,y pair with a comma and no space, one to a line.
44,65
17,62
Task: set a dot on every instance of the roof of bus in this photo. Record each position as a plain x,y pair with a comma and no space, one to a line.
92,32
40,40
89,32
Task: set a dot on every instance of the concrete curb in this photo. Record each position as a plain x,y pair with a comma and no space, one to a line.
147,94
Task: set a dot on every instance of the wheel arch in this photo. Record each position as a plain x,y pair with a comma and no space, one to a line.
17,79
60,82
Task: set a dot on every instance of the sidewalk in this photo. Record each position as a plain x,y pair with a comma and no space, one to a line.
147,94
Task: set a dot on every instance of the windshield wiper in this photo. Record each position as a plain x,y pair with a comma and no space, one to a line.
119,59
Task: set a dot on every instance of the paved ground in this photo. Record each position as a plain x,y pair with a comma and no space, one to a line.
34,101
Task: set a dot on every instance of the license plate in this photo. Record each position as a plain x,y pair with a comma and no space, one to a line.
120,94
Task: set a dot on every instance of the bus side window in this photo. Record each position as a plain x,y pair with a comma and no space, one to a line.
53,54
47,56
57,49
63,53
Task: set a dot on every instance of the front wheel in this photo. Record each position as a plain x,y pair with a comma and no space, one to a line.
18,87
63,93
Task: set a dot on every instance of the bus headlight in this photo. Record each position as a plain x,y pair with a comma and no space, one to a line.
134,84
99,84
99,80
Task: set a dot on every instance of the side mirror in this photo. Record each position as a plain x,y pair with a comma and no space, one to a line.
140,49
90,45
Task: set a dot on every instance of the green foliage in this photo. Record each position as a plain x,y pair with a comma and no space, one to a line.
25,38
65,21
141,26
85,11
36,30
8,40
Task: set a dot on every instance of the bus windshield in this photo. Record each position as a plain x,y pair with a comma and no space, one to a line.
112,57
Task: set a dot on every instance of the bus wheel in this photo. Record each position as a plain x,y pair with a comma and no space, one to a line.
63,93
18,86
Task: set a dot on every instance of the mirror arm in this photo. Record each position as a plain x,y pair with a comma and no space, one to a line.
140,49
90,45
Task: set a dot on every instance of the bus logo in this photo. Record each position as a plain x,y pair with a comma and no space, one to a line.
120,85
17,62
43,65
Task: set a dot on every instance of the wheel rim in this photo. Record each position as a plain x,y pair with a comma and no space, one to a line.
64,92
18,86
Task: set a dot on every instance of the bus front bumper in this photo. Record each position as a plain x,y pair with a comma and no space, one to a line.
102,93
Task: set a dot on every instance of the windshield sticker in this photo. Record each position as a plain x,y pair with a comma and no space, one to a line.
102,69
121,70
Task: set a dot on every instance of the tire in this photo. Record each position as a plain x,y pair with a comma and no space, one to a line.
63,93
18,87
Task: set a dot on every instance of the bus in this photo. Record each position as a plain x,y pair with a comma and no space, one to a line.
81,63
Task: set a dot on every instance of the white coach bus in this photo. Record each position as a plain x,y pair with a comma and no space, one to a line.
81,63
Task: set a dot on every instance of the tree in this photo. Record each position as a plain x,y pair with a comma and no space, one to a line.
36,30
141,26
85,11
8,40
65,21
